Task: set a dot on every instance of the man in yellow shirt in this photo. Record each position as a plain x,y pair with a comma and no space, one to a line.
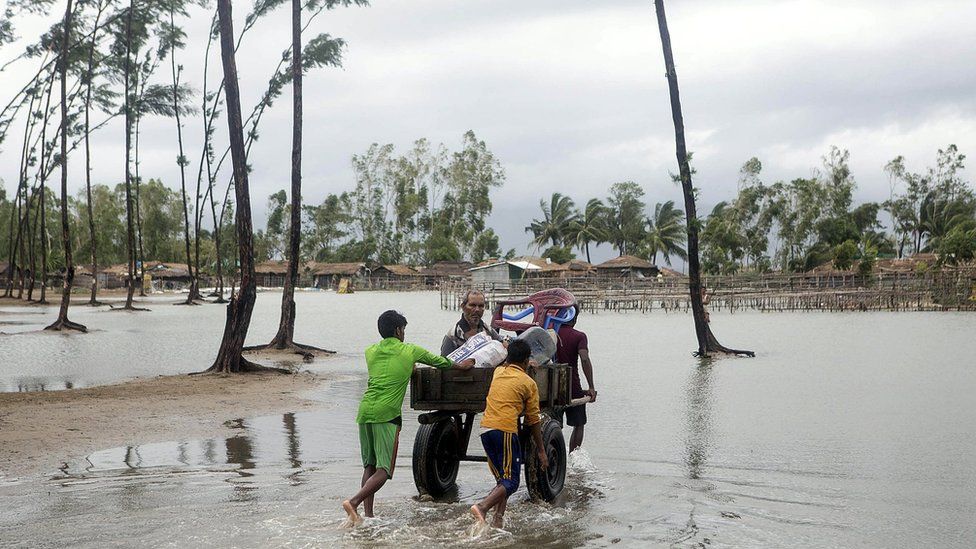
512,393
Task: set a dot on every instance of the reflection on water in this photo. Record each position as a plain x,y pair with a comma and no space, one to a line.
698,420
176,490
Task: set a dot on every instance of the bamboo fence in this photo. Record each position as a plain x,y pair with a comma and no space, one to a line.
943,290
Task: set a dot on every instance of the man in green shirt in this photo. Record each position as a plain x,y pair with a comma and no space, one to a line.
390,363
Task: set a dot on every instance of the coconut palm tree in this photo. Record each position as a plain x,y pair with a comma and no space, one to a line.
557,218
589,227
665,233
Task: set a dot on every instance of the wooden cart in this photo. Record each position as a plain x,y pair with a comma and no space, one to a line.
452,398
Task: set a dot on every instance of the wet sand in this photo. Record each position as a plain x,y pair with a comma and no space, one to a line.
40,431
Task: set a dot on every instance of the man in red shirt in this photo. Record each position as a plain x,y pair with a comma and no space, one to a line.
572,349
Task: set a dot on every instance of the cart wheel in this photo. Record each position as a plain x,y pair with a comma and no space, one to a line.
435,457
546,485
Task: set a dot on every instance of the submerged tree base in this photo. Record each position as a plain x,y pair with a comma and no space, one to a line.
714,347
63,324
307,352
241,366
129,308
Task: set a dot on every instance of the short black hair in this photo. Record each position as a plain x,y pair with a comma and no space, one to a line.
518,352
389,321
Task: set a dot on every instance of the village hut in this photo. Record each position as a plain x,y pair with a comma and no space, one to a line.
501,273
445,271
627,266
394,276
114,276
328,275
83,277
271,274
577,268
168,276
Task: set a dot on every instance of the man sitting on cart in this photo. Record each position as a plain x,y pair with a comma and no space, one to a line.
512,393
472,309
390,363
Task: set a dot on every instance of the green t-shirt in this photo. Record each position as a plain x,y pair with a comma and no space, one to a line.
390,364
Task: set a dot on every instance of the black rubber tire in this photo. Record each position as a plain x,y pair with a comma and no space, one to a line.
546,485
435,457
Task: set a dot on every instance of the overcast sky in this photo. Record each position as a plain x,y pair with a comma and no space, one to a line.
571,96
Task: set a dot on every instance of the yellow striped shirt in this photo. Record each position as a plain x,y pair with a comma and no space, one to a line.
512,393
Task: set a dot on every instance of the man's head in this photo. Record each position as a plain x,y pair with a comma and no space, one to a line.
391,324
518,352
473,307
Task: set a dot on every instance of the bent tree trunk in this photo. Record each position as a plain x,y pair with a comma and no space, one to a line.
62,323
285,338
229,358
181,160
93,300
707,344
130,236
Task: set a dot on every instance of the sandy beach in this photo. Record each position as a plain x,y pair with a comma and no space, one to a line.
39,431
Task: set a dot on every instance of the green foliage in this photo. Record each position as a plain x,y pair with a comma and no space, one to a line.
559,254
844,255
485,246
588,227
625,216
959,245
425,206
558,220
866,264
665,233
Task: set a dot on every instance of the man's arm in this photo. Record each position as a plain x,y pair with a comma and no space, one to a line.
584,355
424,356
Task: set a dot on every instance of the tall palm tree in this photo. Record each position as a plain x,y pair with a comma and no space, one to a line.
589,227
665,233
556,220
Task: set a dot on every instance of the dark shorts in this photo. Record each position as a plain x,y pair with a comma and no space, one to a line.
504,458
576,415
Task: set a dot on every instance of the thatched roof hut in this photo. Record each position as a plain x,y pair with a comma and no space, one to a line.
627,265
327,275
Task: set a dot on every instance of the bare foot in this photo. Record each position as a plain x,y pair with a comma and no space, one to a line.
352,516
498,522
479,517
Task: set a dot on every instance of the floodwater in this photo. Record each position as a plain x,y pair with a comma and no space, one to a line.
846,430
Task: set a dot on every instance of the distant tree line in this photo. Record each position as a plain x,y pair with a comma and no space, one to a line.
790,226
430,204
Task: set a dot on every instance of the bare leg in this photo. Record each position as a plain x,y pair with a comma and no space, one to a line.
368,471
370,487
499,519
576,439
479,510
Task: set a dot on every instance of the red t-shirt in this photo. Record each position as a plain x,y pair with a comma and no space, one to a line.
568,345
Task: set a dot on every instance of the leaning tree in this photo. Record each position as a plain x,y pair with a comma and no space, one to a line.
229,358
327,53
707,344
62,323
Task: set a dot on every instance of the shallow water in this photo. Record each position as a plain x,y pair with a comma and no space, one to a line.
847,430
